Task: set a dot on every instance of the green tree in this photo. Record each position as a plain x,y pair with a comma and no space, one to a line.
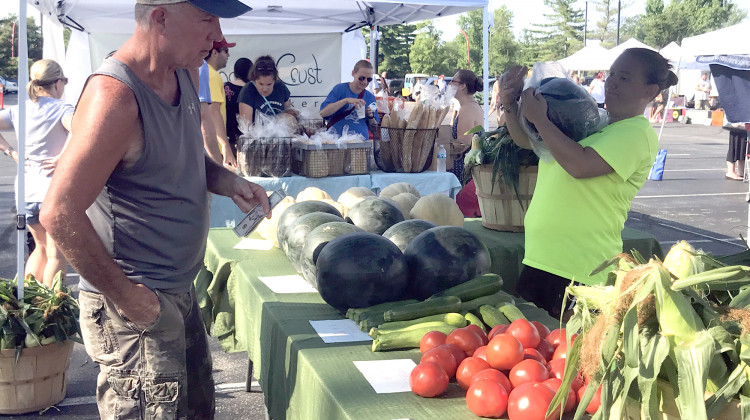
606,26
562,35
393,48
503,48
8,64
429,54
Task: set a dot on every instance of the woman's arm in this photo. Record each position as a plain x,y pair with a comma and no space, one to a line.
289,110
333,107
246,112
511,85
580,162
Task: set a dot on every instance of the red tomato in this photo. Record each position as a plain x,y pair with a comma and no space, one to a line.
534,354
545,349
541,328
443,357
595,402
431,340
458,354
561,352
557,370
525,332
555,383
493,375
504,351
466,339
480,332
428,379
481,352
487,398
468,368
528,370
530,402
556,336
497,329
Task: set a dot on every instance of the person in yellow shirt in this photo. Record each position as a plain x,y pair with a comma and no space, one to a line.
217,59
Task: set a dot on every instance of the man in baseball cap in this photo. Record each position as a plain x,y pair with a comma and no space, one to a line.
221,8
136,162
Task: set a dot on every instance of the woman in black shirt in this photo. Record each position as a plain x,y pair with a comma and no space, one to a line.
232,91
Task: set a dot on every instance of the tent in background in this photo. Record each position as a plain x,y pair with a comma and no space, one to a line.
592,57
615,52
731,40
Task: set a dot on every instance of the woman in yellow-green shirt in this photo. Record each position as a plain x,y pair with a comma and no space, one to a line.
582,198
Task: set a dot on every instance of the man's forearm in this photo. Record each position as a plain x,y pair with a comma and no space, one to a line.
219,127
219,180
209,134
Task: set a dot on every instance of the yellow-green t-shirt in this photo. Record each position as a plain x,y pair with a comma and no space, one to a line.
217,91
573,225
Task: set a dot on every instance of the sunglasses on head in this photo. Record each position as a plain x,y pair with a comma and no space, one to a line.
266,68
361,78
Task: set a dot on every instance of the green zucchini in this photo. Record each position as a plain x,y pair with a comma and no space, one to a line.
511,312
496,299
406,339
356,314
440,305
492,316
474,320
483,285
451,318
377,332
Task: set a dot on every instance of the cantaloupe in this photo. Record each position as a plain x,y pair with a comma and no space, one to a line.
439,209
312,193
267,227
398,188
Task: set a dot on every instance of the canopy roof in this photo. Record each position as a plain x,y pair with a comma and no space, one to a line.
731,40
589,58
278,16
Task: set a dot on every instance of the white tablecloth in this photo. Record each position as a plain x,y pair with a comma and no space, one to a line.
225,213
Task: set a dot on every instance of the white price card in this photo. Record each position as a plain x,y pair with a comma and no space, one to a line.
387,376
254,244
339,331
287,284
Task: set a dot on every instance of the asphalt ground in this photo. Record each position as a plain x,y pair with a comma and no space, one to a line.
693,202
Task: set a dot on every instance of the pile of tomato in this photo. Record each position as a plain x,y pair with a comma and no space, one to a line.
514,370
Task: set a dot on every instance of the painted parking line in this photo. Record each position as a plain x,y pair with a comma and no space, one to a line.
88,400
694,170
689,195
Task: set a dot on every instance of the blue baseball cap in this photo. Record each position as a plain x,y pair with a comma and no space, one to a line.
220,8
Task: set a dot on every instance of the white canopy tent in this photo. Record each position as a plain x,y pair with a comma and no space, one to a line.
115,17
731,40
592,57
615,52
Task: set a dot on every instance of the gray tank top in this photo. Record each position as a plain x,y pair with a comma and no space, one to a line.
153,216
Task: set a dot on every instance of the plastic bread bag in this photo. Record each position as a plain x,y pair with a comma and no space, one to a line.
569,106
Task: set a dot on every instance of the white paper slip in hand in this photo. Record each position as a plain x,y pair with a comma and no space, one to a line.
387,376
287,284
254,244
339,331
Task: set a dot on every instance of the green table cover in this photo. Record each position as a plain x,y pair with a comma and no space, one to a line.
301,376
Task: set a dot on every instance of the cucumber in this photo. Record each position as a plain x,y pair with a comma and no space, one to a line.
496,299
408,339
483,285
511,312
356,314
474,320
439,305
492,316
451,318
377,332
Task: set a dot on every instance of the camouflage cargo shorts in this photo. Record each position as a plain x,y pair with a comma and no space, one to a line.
161,372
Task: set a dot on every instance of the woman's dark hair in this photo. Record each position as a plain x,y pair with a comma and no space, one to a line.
470,79
658,70
264,66
242,69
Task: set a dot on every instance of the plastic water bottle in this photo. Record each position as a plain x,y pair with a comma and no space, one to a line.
441,157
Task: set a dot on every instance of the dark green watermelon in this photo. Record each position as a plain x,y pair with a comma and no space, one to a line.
374,215
403,232
294,212
316,240
361,269
443,257
297,234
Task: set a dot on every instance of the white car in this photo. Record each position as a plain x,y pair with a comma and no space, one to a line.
8,86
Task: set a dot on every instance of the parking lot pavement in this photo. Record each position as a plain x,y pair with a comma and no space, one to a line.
693,201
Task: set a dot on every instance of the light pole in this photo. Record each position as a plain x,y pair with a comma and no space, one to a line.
468,56
618,22
585,23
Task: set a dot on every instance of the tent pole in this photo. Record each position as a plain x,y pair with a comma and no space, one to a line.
23,76
485,66
373,52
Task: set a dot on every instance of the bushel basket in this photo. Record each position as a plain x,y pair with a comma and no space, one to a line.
501,208
405,149
266,156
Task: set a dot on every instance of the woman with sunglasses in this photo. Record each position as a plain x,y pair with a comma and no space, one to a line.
582,198
469,115
47,127
265,92
340,108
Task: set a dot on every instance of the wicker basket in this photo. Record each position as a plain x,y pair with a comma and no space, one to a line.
267,156
357,158
312,126
500,207
37,381
405,149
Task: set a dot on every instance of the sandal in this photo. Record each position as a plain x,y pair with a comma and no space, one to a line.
735,178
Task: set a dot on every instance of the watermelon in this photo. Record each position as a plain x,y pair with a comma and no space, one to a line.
361,269
298,232
316,240
374,215
297,210
403,232
443,257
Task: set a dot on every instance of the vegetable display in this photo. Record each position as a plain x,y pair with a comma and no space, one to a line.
296,211
374,215
403,232
316,240
298,232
